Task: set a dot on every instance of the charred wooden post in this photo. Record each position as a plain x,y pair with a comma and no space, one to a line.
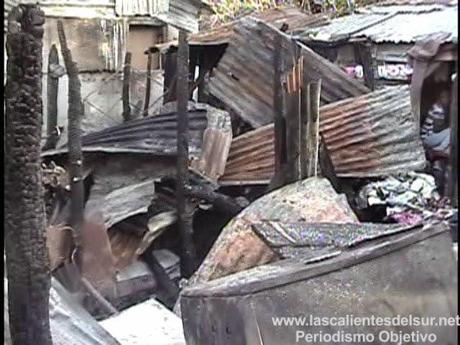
52,92
126,79
168,289
185,209
452,184
293,105
27,261
148,84
75,113
364,56
280,125
305,124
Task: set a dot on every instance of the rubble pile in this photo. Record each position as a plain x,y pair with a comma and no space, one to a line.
120,276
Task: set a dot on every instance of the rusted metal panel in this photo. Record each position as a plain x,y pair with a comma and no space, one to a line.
294,17
239,248
360,134
250,95
372,135
251,159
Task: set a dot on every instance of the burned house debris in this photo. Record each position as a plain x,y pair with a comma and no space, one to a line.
197,182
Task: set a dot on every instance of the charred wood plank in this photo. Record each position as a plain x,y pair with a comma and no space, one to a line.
27,261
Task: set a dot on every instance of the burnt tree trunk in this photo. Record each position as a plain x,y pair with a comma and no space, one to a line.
26,256
75,113
185,209
126,78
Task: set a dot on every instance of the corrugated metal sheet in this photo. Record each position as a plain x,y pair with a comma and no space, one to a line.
372,135
395,24
369,135
152,135
294,17
408,27
243,79
126,8
182,14
251,159
209,139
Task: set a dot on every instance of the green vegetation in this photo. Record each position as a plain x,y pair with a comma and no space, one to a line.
227,10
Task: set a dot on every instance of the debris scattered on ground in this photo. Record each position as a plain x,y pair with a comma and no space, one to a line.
146,323
70,322
409,198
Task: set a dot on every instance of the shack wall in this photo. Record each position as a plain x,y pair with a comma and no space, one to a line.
101,94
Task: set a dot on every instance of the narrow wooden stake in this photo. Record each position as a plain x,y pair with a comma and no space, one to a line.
52,92
452,183
184,207
305,122
148,85
75,113
126,79
313,129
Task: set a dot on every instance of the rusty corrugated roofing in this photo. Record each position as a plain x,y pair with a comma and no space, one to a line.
251,159
294,17
370,135
243,79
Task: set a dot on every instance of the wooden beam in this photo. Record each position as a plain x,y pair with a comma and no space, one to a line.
185,209
52,92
